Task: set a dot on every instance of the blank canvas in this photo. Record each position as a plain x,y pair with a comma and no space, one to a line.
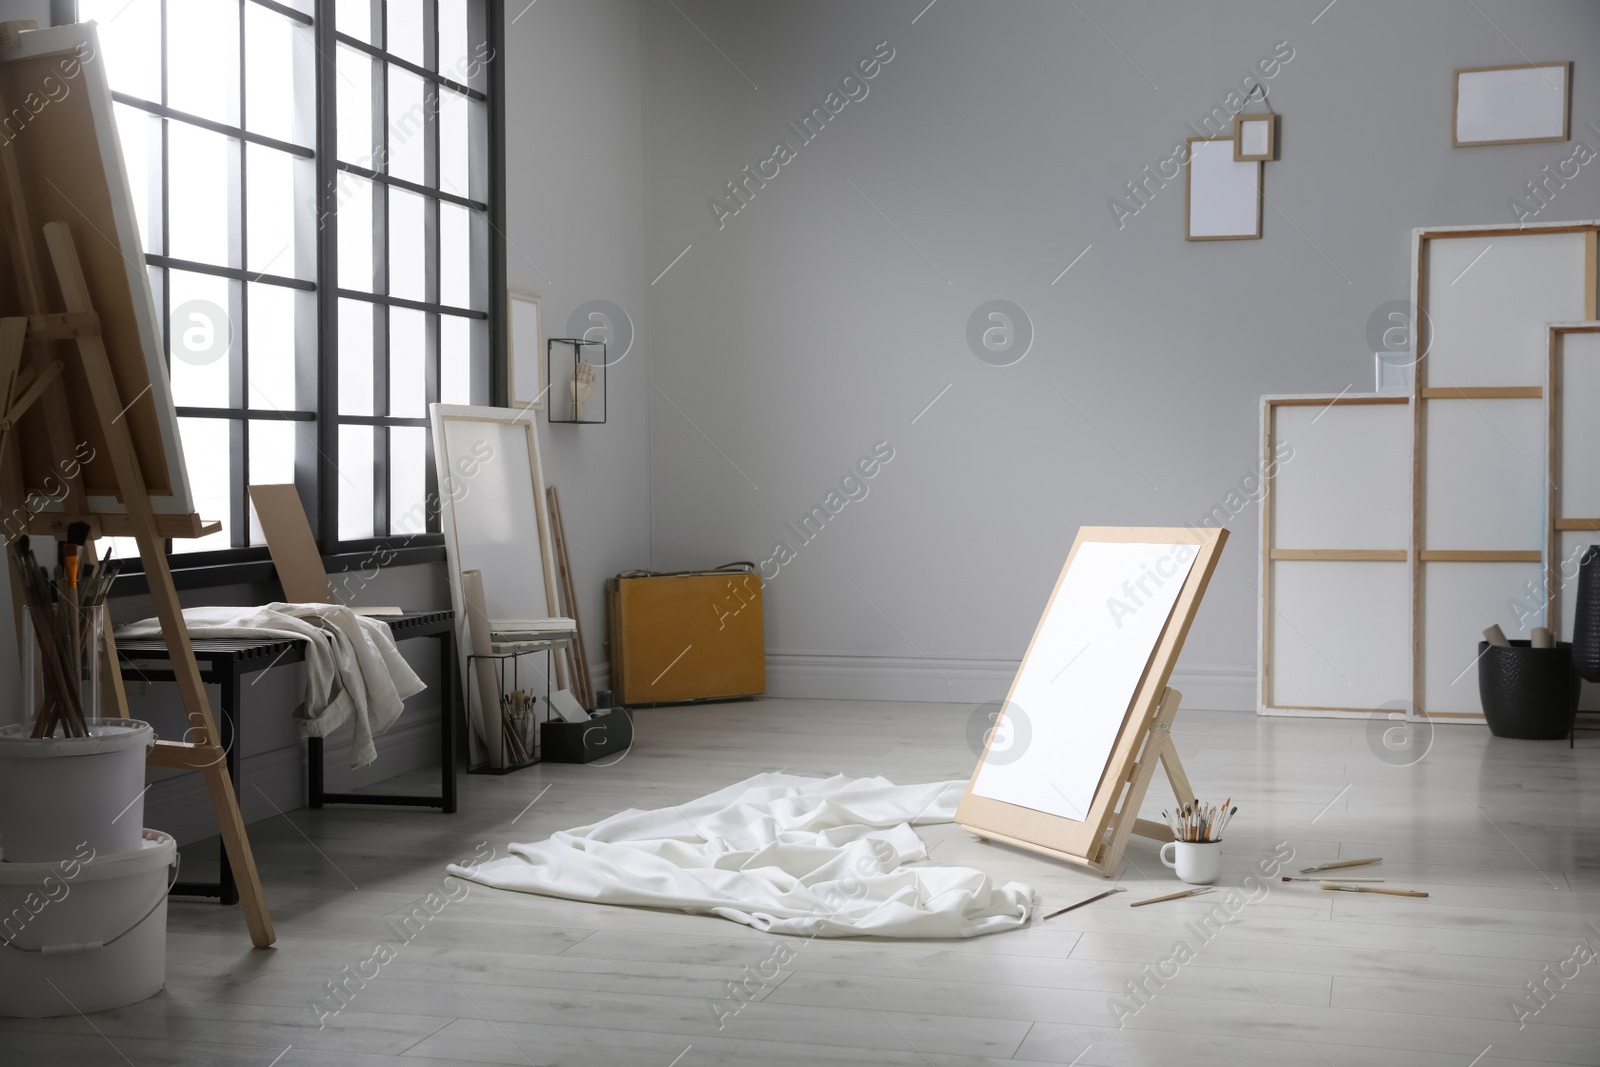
1076,684
1224,196
1508,105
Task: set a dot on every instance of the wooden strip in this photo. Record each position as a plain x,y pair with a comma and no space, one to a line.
109,407
1506,231
54,524
583,682
1591,275
1268,502
1343,711
1342,555
1484,392
37,384
1422,342
1443,555
185,755
63,326
1577,524
1311,401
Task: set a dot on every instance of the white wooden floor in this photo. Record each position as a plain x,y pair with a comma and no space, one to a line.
1505,835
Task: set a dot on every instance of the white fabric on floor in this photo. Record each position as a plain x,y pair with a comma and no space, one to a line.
354,672
780,852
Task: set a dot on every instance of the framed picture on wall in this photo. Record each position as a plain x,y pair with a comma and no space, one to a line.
1223,196
1519,104
525,385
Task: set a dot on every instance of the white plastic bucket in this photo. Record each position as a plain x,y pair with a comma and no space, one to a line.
81,936
57,793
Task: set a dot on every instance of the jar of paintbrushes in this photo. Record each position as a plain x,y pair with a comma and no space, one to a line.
1195,851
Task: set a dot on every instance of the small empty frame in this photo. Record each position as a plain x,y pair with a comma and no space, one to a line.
1517,104
1224,197
1088,690
525,385
1255,138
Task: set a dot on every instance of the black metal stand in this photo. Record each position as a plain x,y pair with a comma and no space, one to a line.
514,656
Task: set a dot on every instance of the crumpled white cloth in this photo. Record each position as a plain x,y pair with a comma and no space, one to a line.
354,672
780,852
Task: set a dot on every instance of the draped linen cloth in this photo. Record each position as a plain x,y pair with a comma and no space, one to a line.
354,672
824,857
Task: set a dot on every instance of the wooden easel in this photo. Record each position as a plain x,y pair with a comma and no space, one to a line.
41,384
1098,838
1124,821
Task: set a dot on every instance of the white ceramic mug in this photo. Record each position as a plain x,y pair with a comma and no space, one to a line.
1197,862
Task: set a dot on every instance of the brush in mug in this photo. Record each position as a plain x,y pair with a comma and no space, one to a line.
1197,822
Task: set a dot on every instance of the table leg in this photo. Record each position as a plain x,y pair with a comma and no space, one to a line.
447,720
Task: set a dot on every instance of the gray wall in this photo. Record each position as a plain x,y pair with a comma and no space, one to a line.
815,322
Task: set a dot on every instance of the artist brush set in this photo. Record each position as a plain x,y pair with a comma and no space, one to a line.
516,708
62,608
1197,822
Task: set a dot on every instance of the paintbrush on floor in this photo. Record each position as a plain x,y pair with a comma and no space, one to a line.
1345,887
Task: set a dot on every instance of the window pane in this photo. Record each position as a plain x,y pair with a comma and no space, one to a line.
455,360
277,70
408,397
354,205
130,33
353,93
407,127
203,58
408,484
274,314
355,357
199,336
270,210
407,246
452,37
355,482
455,256
272,459
207,451
454,176
201,188
140,135
405,29
355,18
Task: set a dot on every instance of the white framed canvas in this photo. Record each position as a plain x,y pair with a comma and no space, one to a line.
1223,196
1518,104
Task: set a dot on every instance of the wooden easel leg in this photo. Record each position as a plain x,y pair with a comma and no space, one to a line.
1158,748
204,753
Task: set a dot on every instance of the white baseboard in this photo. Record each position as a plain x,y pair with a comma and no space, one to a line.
965,679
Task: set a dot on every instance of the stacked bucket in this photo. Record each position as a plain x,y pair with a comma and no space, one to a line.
83,887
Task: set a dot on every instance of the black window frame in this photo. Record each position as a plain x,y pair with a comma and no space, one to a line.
251,564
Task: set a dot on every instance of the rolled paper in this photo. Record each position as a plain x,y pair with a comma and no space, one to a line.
1496,636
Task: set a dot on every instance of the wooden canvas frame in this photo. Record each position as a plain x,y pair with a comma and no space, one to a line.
1267,704
1098,840
449,474
528,392
59,184
1188,196
1455,104
1424,395
1556,523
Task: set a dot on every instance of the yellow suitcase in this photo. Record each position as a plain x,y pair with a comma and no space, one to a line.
690,635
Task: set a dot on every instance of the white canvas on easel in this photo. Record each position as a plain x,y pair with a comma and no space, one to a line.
1075,765
1082,669
1223,196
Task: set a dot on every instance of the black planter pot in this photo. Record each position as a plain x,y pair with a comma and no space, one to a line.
1528,693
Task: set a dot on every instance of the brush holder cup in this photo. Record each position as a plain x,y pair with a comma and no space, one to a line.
1197,862
1528,693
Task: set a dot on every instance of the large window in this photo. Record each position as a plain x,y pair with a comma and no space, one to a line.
313,187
